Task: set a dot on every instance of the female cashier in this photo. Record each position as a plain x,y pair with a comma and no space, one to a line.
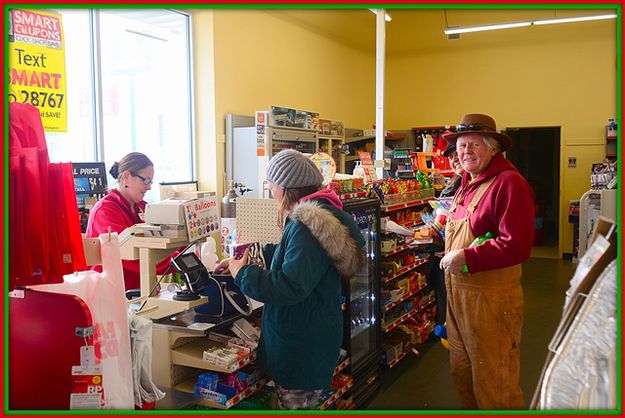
123,207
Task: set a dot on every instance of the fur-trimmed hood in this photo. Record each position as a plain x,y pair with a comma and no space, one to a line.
333,235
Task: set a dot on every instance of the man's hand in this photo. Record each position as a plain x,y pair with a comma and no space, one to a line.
453,261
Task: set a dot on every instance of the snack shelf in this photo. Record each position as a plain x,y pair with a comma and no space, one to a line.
189,386
353,195
350,406
396,250
398,321
398,206
406,269
398,358
337,395
192,355
341,366
413,348
411,223
391,305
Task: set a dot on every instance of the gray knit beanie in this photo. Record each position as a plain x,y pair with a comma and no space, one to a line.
290,168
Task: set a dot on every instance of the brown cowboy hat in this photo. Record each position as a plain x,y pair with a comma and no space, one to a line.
481,124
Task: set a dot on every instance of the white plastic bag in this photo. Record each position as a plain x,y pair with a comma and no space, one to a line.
141,341
104,294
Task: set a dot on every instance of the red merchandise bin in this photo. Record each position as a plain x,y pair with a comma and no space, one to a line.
43,347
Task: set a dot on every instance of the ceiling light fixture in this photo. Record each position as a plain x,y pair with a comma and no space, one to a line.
387,17
466,29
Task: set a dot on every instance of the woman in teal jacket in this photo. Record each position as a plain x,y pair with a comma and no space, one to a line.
302,322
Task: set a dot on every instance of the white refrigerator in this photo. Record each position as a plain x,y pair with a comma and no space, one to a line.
592,204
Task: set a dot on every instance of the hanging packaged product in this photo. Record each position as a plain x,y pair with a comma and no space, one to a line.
229,220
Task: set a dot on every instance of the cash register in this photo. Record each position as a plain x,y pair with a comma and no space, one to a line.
170,225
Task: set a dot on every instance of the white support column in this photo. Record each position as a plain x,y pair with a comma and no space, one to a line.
380,45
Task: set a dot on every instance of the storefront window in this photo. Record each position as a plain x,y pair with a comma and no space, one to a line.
132,69
78,143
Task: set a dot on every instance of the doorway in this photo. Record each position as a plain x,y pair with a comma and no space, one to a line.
536,154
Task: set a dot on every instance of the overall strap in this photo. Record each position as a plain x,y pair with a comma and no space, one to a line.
478,195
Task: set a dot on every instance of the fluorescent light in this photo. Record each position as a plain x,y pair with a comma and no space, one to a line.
573,19
387,17
465,29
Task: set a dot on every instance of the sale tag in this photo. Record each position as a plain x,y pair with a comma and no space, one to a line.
87,391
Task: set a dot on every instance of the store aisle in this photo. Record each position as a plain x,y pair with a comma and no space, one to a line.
423,382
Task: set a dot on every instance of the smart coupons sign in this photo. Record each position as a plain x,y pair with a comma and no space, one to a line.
37,65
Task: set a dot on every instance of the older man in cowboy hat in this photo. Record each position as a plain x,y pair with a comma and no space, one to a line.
485,298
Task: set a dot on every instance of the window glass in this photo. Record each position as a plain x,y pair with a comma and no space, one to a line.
145,90
78,143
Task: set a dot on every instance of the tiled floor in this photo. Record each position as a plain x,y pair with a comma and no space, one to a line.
423,383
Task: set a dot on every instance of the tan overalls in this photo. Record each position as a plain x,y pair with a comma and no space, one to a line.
484,320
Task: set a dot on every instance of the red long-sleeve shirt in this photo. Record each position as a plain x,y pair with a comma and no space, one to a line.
115,211
506,210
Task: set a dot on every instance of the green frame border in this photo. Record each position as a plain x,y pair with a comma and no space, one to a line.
491,6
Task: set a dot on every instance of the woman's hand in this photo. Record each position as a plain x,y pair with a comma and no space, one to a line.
453,261
236,264
223,266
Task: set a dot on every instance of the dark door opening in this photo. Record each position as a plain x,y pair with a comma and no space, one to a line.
535,152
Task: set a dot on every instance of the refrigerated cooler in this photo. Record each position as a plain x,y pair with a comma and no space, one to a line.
249,148
592,204
362,307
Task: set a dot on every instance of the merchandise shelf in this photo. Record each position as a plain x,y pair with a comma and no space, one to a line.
337,395
341,366
405,205
323,136
398,358
353,195
396,250
192,353
398,321
351,139
411,223
412,348
391,305
406,269
189,386
350,406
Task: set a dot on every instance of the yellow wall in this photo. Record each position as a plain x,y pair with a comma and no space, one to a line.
557,75
262,60
560,75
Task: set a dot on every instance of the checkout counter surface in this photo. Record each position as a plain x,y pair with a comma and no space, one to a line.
190,320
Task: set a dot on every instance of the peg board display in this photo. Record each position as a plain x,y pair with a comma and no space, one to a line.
257,220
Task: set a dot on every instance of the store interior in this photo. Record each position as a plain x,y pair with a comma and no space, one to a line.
552,88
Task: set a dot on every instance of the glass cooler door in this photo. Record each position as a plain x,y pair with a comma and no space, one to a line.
363,306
